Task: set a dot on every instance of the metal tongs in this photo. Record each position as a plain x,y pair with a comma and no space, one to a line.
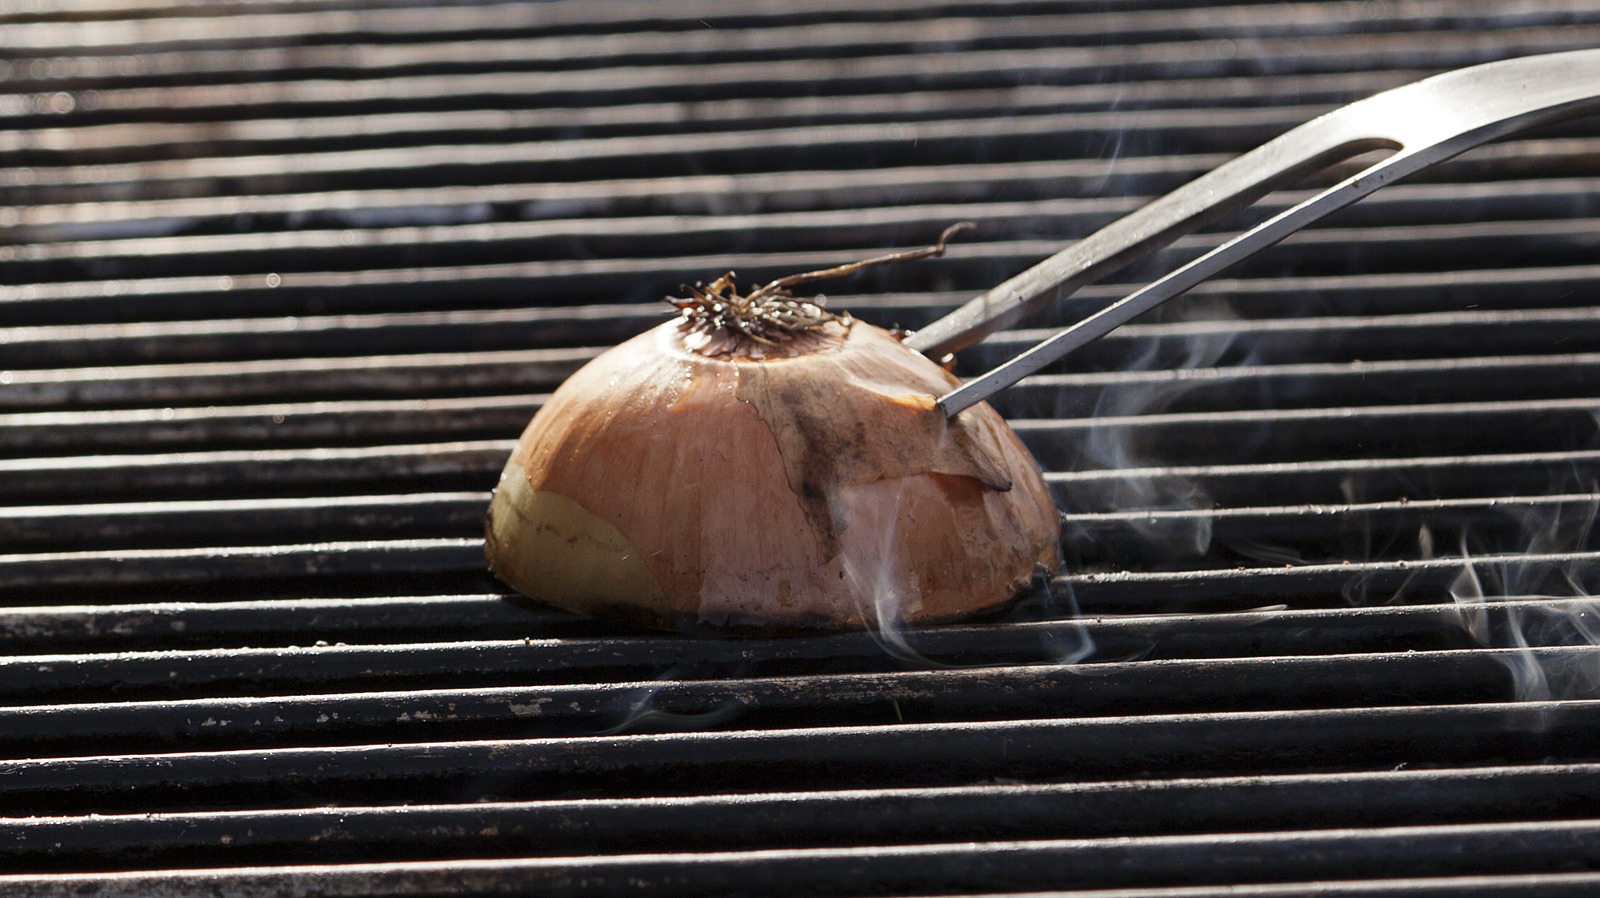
1425,123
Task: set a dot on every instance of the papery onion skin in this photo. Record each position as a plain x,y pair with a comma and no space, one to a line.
818,486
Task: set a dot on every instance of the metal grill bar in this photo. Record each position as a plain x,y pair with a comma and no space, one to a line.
796,38
254,471
903,816
1378,628
513,877
1371,680
884,754
787,77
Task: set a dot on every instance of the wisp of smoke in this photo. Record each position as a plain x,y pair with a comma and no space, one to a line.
873,567
1525,607
1112,448
1071,642
637,713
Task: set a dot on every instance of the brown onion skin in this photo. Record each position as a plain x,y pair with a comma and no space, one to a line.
819,491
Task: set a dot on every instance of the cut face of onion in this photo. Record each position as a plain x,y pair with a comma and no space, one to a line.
694,476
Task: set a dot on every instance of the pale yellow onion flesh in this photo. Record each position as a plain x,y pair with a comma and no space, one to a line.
823,490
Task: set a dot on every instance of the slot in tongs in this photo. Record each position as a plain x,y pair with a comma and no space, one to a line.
1424,123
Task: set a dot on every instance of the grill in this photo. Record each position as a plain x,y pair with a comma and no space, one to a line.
280,284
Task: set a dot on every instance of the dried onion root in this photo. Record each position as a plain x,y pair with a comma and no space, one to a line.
761,463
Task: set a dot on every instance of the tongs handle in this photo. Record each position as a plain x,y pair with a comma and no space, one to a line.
1426,122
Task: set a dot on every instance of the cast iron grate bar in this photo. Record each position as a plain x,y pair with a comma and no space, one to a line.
778,820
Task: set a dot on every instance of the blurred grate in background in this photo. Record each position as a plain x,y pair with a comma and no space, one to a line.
280,283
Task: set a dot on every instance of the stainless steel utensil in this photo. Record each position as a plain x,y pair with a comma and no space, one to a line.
1425,123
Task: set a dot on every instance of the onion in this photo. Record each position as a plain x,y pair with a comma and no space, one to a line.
761,463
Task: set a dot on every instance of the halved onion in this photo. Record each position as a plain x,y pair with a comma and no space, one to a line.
791,477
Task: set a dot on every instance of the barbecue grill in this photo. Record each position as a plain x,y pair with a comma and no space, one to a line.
281,283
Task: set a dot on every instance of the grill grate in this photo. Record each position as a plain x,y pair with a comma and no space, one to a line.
279,284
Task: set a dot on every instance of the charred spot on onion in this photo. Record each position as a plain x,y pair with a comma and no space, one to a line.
762,463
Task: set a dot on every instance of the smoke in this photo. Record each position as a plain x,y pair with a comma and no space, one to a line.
636,712
1529,602
875,568
1111,447
1070,641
